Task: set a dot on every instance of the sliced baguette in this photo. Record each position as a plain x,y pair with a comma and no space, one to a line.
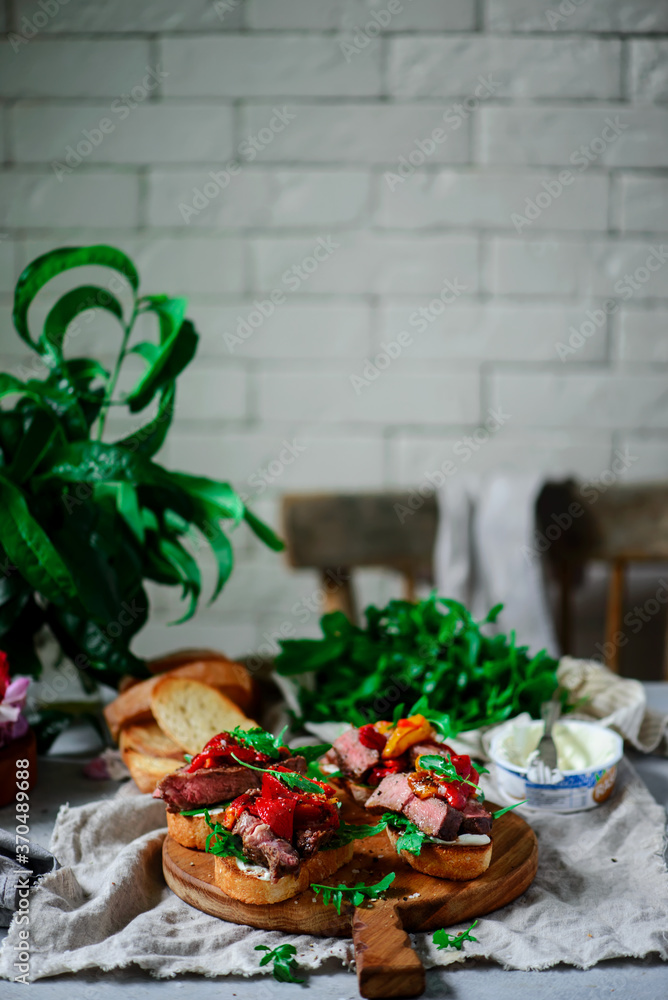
248,888
458,862
148,738
181,657
146,770
134,704
191,831
191,712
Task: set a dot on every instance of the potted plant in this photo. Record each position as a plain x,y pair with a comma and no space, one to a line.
85,522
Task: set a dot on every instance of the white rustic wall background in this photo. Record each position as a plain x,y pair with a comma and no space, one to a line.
472,194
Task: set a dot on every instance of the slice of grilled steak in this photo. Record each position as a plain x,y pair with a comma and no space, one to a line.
308,842
392,793
262,846
476,819
297,763
206,787
433,816
427,746
354,758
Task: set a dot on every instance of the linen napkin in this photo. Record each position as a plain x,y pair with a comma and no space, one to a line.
14,875
601,892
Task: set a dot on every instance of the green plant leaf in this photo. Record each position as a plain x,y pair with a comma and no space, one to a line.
40,435
68,307
178,344
263,531
124,497
148,440
218,497
38,273
28,546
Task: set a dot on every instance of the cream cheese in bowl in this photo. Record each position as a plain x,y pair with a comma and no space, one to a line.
587,756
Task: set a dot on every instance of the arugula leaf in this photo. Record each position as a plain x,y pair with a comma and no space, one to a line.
313,771
500,812
260,740
439,720
444,768
348,831
311,753
412,837
444,940
335,894
290,778
283,958
223,843
433,649
200,809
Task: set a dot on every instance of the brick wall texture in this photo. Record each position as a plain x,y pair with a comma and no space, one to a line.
400,223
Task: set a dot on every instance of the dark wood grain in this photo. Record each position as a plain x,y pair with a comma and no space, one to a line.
415,902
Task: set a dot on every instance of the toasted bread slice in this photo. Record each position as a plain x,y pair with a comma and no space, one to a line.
247,887
191,712
148,738
146,770
458,862
192,831
134,704
181,657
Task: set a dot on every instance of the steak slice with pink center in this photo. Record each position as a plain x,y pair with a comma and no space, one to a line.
433,816
206,787
476,818
392,793
354,758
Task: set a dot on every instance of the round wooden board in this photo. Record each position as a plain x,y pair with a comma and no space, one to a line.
415,902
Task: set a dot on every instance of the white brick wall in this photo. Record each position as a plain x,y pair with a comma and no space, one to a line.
468,141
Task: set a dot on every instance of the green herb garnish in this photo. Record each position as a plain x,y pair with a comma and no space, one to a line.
433,649
311,753
292,779
500,812
444,940
283,958
313,771
223,843
188,757
260,740
439,720
335,894
203,809
347,832
443,767
412,837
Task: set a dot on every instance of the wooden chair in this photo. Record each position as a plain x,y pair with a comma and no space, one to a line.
339,533
618,525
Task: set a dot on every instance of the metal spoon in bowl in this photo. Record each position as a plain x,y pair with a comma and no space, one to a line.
544,758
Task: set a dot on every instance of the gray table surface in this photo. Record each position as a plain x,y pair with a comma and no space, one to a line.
61,780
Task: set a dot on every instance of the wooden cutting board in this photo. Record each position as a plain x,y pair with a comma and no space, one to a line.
386,964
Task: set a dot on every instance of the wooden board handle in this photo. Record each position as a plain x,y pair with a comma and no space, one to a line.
387,966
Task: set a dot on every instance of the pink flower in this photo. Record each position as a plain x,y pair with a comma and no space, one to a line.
13,724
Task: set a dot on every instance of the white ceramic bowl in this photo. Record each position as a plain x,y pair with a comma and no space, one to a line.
580,787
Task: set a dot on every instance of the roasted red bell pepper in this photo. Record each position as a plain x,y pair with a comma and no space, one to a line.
370,737
279,814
